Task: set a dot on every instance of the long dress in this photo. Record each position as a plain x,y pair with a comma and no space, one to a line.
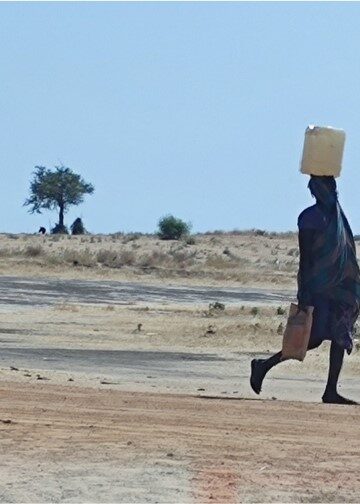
329,276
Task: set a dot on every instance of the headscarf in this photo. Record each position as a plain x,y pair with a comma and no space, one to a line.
324,190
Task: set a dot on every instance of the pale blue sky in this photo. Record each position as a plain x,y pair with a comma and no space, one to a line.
195,109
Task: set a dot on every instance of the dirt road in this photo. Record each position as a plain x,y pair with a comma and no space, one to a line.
68,444
94,410
27,291
225,375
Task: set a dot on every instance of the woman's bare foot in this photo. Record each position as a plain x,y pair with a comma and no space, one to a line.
335,398
257,375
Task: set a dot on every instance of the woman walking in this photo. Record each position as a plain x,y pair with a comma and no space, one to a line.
328,280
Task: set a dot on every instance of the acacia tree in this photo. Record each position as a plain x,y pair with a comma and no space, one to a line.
57,189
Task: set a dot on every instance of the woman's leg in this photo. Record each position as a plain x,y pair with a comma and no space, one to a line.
260,367
336,361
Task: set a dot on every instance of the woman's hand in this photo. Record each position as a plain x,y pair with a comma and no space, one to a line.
302,307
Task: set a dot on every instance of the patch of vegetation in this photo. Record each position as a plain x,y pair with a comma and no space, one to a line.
172,228
77,227
294,252
131,237
224,262
217,306
79,258
33,251
55,238
190,240
59,229
56,189
118,234
113,259
9,252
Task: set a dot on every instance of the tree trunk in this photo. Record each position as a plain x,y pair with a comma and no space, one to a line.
61,216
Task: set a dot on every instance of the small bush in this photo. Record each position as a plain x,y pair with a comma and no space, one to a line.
131,237
55,238
294,252
106,257
280,311
54,260
181,258
33,251
190,240
77,227
79,258
171,228
217,306
113,259
8,252
127,257
155,259
57,229
254,311
223,262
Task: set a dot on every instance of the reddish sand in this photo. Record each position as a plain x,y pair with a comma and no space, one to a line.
83,445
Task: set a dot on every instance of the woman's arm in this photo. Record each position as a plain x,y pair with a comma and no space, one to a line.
306,240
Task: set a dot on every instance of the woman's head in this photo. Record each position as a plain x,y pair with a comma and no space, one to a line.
324,190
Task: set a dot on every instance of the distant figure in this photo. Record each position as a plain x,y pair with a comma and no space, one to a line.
42,230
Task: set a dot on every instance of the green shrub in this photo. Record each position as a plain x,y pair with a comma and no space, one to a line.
171,228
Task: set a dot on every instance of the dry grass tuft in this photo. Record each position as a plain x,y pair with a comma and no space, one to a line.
67,307
79,258
33,251
113,259
239,258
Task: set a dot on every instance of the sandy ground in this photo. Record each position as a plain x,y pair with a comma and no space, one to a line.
71,444
148,433
150,402
222,259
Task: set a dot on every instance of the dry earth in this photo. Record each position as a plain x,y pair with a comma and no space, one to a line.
155,440
213,259
69,444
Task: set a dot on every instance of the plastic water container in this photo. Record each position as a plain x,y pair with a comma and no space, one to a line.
323,151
